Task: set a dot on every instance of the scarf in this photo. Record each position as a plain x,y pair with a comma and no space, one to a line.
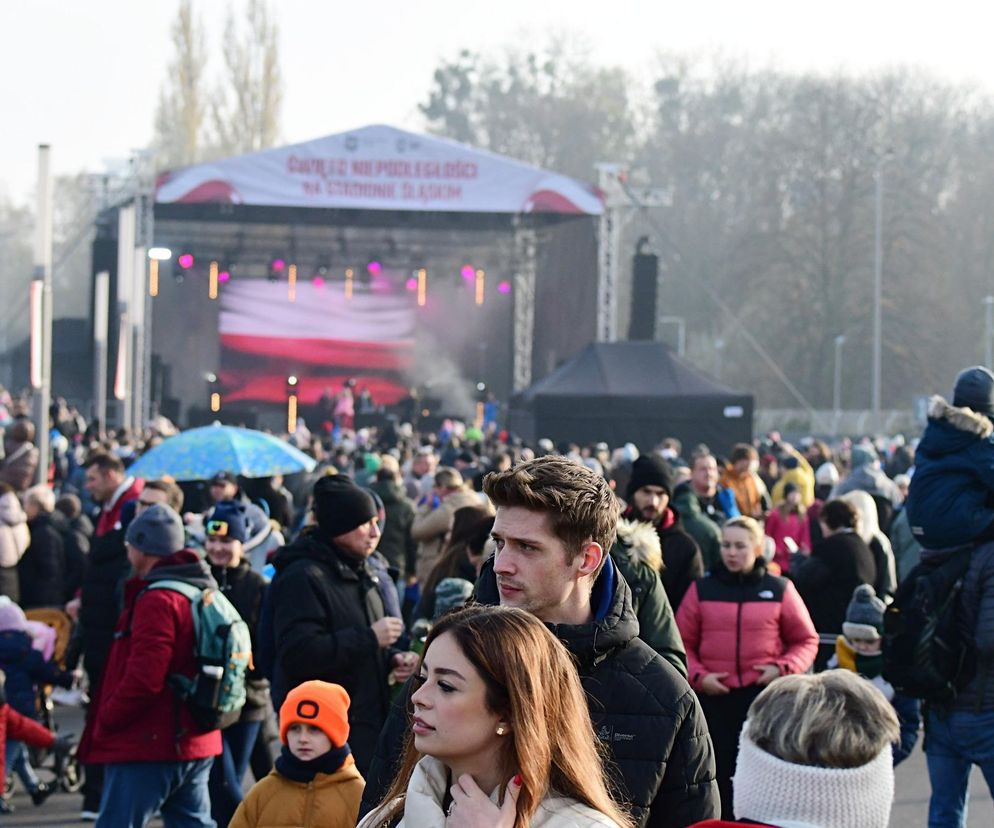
770,790
298,770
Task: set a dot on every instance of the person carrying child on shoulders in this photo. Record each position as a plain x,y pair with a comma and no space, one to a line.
315,782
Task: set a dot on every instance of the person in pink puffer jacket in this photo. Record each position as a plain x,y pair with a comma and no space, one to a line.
742,628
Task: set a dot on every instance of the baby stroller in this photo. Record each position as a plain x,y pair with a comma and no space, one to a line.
65,767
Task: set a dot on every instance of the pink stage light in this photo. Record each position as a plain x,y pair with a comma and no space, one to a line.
318,282
504,287
374,268
468,272
223,276
185,261
278,265
411,284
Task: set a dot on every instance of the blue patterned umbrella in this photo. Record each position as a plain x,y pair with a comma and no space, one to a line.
200,453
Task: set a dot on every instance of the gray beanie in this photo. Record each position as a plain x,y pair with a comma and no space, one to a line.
157,531
865,614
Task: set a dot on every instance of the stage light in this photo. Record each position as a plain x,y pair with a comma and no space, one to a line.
291,283
480,283
211,376
317,282
411,284
215,402
468,272
277,265
481,386
349,276
223,276
422,287
185,260
153,277
212,274
291,380
374,268
504,287
291,404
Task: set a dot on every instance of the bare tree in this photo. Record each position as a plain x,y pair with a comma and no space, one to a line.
179,119
246,109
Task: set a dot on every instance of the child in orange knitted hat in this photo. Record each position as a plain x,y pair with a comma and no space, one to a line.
315,781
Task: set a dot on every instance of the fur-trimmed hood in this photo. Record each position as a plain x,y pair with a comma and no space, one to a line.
962,419
642,539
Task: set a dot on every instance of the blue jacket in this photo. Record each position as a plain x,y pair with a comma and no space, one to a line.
951,499
25,667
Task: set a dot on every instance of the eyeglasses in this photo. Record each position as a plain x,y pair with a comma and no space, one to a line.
147,503
217,527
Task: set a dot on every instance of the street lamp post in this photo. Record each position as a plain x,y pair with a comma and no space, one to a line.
988,331
840,340
878,255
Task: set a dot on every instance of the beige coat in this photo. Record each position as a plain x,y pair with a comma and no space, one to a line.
14,533
426,793
329,801
431,529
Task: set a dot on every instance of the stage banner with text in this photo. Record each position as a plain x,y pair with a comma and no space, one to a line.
380,168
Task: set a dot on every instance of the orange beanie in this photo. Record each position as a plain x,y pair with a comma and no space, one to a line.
317,703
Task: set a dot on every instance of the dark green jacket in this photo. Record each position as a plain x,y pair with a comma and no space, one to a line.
697,524
657,625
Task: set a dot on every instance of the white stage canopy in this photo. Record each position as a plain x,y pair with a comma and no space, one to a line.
380,168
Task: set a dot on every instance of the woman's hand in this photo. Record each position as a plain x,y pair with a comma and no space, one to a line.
711,684
472,808
767,672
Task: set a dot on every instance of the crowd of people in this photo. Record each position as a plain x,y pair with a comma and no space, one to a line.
456,629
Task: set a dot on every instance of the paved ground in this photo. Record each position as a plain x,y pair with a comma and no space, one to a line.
910,805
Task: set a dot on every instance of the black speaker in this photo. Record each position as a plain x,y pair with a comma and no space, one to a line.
645,272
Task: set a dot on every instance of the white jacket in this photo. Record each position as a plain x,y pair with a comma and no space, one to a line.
14,533
426,793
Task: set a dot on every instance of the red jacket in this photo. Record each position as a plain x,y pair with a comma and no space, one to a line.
730,622
15,726
138,717
780,528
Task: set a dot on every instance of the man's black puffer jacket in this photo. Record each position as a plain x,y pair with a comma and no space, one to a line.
641,707
324,603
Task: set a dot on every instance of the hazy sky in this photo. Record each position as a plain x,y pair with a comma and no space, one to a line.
84,75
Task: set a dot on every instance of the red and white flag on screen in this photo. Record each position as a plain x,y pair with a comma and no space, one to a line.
322,338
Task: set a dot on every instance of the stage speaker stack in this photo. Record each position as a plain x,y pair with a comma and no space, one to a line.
645,273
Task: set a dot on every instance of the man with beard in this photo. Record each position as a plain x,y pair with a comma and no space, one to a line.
648,495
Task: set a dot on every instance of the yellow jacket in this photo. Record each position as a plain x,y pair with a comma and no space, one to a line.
802,476
329,801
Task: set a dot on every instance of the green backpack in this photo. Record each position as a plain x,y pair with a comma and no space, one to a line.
223,650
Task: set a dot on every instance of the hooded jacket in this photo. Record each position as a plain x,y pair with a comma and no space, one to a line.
732,621
682,561
639,558
642,709
951,498
423,805
324,604
14,533
330,800
697,524
138,716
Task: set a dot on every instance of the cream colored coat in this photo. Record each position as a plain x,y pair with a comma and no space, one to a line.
426,793
14,533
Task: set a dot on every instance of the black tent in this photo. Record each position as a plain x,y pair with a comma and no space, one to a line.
637,392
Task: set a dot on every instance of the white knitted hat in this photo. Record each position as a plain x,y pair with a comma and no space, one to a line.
769,790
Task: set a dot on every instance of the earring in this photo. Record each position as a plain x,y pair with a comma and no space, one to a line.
501,730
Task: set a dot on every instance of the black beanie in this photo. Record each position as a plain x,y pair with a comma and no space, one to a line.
341,506
649,470
975,389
